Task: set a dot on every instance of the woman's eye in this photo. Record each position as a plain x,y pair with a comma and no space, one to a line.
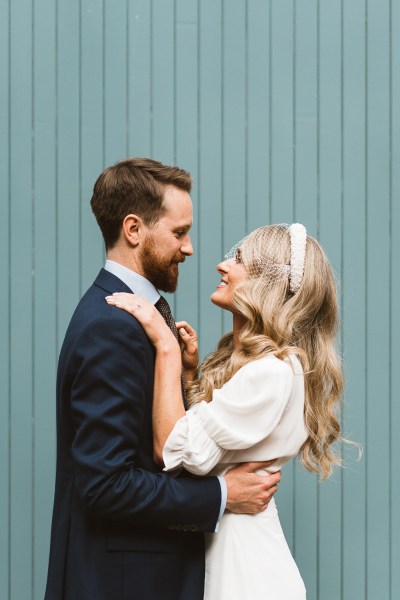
238,257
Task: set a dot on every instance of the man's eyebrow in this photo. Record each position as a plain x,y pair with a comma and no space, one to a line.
182,227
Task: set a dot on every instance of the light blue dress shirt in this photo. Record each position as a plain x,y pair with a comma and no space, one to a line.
142,286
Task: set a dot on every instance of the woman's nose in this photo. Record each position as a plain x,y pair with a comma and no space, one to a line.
223,266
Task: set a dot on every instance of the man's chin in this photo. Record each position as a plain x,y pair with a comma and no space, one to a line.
169,284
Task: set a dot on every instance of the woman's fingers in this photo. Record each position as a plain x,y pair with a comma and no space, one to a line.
129,302
188,328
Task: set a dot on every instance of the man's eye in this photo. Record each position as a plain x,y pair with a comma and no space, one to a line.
179,233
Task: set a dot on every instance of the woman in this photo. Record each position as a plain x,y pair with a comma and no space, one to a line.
269,391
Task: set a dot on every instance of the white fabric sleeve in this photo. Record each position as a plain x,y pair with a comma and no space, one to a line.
242,413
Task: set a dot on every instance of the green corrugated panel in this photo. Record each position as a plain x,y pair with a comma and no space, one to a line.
21,316
44,290
4,300
282,111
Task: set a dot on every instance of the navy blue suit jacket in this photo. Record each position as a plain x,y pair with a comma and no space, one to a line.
122,529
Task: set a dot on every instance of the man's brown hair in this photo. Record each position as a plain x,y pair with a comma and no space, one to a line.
133,186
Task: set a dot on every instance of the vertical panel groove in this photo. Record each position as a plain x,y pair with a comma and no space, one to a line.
390,345
33,259
342,279
246,117
366,298
270,114
127,114
10,132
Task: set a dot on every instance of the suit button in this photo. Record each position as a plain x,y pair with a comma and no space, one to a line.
186,528
193,528
179,527
171,527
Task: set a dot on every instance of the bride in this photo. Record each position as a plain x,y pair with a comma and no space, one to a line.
269,391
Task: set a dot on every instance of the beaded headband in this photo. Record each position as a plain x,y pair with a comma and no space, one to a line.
274,269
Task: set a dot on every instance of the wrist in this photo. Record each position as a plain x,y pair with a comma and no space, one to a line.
165,348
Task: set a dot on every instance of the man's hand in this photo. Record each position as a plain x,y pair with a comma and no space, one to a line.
248,492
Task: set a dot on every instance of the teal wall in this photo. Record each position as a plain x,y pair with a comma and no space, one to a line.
283,110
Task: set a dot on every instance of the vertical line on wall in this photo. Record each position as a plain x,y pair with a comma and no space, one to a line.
342,271
175,88
318,121
246,124
199,249
270,113
9,300
293,204
294,112
222,140
127,97
151,80
104,107
33,259
56,92
174,101
80,230
366,292
390,293
318,218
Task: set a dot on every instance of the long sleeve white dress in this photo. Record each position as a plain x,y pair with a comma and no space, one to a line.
257,415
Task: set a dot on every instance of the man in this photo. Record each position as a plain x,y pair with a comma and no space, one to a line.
123,529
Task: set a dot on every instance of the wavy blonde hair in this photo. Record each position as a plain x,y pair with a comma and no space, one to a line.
280,323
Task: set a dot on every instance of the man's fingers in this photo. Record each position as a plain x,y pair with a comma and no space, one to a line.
187,327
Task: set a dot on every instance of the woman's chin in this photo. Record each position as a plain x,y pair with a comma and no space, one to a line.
217,300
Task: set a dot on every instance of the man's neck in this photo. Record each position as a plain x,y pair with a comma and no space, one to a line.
126,259
136,282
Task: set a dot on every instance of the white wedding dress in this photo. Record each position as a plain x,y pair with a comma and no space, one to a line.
256,415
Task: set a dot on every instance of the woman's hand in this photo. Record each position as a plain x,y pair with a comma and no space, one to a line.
149,317
189,348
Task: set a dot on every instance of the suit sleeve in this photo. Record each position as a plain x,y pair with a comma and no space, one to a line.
108,404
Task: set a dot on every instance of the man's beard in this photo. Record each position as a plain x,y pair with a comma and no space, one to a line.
163,273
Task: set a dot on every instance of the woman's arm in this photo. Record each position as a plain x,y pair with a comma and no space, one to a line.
167,399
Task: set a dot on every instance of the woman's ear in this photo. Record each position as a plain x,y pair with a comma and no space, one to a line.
132,227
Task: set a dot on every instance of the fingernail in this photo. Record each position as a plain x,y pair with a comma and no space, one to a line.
183,331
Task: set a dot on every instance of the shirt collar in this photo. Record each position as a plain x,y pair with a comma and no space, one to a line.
137,283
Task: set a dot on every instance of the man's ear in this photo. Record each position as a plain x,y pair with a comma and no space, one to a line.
132,229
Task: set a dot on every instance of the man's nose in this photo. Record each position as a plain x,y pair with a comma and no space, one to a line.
187,247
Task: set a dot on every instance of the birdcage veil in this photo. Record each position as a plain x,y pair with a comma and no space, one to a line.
274,252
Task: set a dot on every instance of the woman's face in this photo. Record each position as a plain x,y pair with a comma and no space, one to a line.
232,273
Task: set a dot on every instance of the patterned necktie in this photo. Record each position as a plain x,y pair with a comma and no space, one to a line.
163,308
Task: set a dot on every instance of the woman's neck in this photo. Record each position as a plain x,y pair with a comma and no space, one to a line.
238,322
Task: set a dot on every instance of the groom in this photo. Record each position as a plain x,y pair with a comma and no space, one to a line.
122,529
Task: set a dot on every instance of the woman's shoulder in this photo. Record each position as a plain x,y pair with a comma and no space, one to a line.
270,366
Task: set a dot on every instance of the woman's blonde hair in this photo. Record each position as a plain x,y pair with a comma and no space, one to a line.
280,322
